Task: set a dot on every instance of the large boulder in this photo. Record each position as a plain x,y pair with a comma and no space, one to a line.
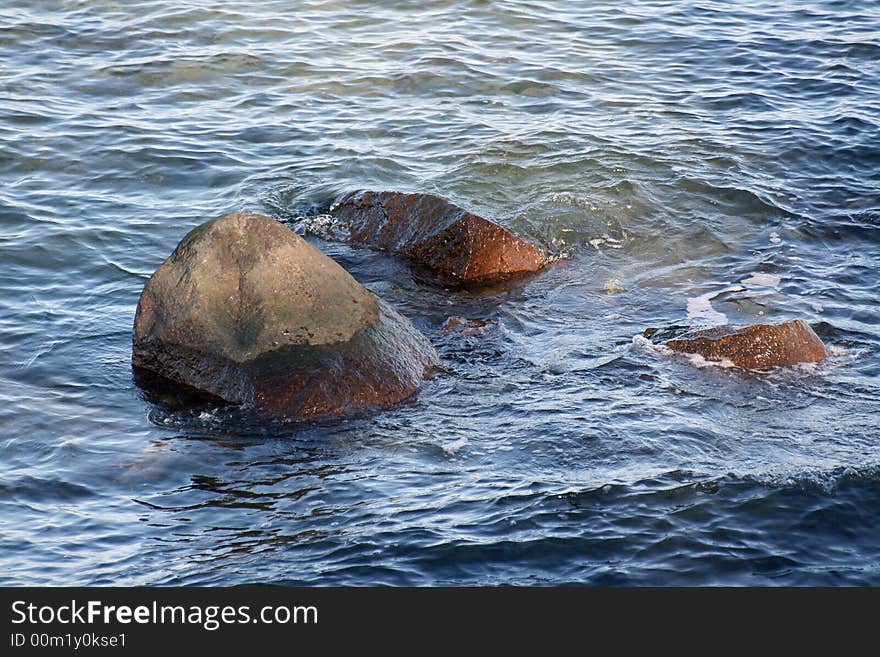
756,347
442,242
248,311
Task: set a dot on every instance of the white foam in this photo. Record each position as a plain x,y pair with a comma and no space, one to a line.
563,251
325,226
762,280
808,368
454,446
571,199
700,308
612,242
697,360
607,241
642,342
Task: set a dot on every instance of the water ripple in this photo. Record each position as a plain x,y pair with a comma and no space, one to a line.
664,153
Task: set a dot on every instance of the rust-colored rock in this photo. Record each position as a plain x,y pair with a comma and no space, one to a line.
248,311
456,324
441,241
756,347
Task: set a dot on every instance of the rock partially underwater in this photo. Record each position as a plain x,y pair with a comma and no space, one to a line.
247,311
464,326
756,347
442,242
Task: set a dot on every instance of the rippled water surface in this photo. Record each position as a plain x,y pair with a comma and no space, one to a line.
688,162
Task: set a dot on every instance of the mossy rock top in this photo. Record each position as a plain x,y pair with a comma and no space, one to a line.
244,285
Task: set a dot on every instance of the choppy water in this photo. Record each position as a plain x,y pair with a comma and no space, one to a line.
702,158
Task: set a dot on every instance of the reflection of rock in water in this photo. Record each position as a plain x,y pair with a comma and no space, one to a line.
249,312
612,286
442,242
172,395
757,347
150,467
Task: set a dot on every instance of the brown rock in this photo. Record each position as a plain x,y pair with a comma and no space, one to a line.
248,311
756,347
456,324
444,243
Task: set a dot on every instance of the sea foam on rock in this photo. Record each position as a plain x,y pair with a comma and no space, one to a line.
442,242
756,347
246,310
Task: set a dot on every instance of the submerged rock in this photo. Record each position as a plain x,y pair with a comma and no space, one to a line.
464,326
441,241
756,347
248,311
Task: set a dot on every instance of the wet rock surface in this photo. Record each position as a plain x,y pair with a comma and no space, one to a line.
442,242
756,347
247,311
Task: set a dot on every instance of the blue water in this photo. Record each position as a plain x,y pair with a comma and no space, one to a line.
686,162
